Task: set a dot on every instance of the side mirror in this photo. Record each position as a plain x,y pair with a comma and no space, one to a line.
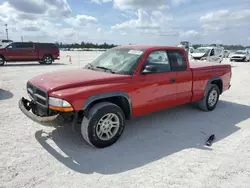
149,69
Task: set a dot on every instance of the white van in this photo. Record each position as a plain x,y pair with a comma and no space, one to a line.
209,53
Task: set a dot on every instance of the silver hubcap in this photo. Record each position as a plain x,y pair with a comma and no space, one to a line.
108,126
47,59
212,99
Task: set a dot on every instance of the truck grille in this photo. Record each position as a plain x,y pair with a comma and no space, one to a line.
197,58
38,95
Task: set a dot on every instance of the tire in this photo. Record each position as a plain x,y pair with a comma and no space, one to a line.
207,105
47,59
2,61
91,125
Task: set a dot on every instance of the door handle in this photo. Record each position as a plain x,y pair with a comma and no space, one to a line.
172,80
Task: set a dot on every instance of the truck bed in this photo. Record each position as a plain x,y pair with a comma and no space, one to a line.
194,65
204,71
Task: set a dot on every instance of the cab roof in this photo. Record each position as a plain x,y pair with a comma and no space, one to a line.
149,47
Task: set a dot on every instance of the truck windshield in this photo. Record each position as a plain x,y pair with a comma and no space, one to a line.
118,60
201,50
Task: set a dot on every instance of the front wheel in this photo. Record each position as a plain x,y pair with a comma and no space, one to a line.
2,61
210,100
103,124
47,59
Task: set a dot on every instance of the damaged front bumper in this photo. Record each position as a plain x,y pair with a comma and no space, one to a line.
26,107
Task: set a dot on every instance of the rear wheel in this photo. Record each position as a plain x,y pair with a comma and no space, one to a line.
2,61
210,100
47,59
103,124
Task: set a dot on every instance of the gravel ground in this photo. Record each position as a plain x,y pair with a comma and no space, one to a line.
164,149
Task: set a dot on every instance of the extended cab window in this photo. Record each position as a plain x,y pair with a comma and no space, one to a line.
177,60
160,60
47,46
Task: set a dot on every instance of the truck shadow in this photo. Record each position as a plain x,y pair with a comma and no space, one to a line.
4,95
146,139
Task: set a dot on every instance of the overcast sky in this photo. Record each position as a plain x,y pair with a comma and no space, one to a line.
165,22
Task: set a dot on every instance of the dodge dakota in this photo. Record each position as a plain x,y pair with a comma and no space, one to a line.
120,84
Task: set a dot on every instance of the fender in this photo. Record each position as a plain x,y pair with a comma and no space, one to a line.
99,96
215,78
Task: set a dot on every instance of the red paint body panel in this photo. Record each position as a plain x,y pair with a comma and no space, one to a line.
148,93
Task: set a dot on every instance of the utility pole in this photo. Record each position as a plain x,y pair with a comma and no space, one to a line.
22,38
6,25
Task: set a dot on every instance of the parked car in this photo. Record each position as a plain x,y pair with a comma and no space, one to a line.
122,83
240,55
209,53
44,53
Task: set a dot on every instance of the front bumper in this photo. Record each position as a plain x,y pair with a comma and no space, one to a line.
26,106
237,58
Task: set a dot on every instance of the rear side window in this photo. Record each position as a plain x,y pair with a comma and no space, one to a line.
22,46
177,60
47,46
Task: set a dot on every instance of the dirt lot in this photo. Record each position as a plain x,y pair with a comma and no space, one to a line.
165,149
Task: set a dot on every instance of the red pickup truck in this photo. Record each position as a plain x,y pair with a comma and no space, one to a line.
44,53
122,83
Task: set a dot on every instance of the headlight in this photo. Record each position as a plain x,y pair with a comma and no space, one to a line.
58,102
60,105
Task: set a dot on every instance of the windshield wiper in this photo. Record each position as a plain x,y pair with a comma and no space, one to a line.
105,68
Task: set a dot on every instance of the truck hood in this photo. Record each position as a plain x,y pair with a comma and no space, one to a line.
198,54
238,55
74,77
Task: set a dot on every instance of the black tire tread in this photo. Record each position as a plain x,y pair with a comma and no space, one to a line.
90,114
202,104
3,60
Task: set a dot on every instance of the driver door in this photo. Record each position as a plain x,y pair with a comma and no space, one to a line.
155,90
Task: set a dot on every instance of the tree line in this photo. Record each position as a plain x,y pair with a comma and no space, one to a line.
107,46
85,45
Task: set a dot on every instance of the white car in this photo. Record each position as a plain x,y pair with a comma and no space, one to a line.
240,55
209,53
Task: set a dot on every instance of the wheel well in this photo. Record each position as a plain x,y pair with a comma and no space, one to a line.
219,84
120,101
2,57
48,55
